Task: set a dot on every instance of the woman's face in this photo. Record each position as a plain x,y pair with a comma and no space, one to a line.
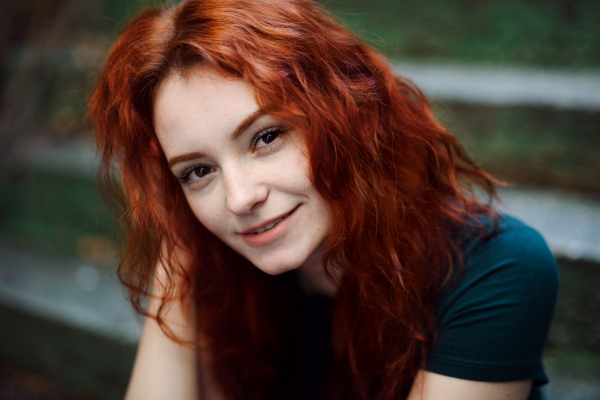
244,174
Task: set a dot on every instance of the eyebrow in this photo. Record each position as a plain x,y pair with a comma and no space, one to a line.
246,124
236,134
184,157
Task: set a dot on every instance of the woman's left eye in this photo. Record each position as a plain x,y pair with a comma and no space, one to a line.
266,137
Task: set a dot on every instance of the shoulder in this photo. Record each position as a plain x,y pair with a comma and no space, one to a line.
510,239
493,321
508,253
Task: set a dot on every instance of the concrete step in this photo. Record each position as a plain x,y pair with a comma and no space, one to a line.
72,292
570,223
560,88
66,320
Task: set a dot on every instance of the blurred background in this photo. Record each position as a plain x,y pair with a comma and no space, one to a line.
517,81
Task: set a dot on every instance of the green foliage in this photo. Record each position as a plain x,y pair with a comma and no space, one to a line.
523,32
52,213
529,145
574,340
117,13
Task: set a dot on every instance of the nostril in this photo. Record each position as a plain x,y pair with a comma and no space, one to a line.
244,197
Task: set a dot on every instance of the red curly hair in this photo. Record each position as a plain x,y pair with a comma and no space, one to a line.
396,183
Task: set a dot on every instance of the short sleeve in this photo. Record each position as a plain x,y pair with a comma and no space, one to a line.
493,322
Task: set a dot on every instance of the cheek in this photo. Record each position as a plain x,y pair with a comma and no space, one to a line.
294,174
209,216
298,173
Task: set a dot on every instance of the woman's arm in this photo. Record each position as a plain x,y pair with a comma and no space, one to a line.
164,369
430,386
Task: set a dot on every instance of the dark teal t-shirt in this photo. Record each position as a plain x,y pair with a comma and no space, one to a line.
493,321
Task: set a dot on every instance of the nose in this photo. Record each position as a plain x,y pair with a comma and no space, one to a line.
244,191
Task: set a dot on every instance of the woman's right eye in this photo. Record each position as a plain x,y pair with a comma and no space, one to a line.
195,174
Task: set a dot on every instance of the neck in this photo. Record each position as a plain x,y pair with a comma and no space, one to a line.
313,279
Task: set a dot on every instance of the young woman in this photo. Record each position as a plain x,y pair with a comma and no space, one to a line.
302,225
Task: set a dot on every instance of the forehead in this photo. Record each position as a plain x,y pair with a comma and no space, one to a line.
189,106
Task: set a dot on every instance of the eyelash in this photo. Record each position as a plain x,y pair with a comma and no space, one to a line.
274,129
184,175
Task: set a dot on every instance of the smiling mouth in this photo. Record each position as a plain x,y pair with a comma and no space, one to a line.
272,224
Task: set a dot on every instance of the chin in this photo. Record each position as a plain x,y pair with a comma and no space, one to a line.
276,267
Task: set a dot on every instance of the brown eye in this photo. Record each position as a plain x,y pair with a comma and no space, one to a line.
267,137
199,172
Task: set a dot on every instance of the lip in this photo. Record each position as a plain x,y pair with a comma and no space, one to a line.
266,237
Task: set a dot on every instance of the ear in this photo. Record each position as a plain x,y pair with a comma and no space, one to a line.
155,149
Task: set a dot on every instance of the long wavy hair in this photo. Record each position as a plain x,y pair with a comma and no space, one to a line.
396,184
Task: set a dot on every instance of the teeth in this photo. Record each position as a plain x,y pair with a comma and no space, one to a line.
270,226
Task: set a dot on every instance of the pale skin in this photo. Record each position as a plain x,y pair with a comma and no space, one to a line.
164,369
206,122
